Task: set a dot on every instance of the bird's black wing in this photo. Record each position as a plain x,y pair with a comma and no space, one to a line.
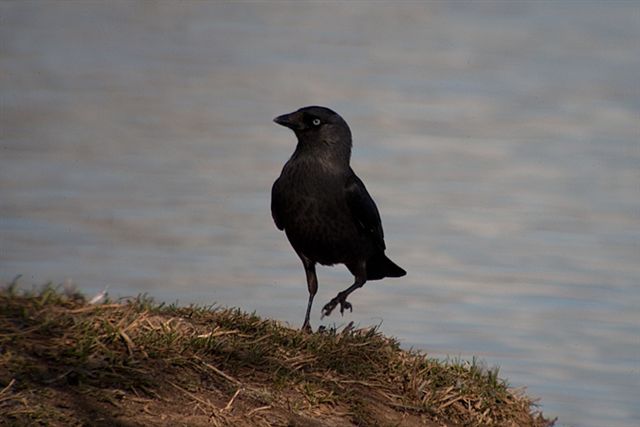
276,206
364,210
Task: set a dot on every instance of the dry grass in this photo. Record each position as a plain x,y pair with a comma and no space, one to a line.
136,363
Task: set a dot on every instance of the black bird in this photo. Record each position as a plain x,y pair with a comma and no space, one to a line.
325,209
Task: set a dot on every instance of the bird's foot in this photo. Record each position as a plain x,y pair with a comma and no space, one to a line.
306,328
344,305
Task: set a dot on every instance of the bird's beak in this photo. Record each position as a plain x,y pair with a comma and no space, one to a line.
287,120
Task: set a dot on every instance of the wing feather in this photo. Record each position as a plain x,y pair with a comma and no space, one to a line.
364,210
277,205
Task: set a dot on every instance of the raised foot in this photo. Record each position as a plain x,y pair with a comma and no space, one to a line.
344,305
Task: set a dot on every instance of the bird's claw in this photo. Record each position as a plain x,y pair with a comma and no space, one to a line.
344,305
328,308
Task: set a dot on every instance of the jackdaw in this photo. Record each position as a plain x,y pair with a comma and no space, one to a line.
325,209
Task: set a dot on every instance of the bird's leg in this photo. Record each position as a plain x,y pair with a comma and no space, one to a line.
312,285
341,298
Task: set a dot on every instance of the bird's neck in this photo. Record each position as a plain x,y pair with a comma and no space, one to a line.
335,159
335,154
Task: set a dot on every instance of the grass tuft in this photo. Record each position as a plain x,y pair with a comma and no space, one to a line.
136,362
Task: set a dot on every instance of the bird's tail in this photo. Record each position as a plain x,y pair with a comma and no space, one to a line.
379,267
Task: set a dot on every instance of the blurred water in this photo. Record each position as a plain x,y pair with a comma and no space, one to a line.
500,141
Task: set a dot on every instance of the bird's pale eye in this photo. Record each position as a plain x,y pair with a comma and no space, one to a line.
316,122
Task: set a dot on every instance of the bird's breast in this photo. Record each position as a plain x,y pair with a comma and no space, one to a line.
317,219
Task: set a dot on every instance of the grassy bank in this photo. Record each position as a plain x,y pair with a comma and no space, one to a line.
64,362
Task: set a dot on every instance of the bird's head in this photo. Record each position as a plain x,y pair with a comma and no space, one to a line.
317,127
